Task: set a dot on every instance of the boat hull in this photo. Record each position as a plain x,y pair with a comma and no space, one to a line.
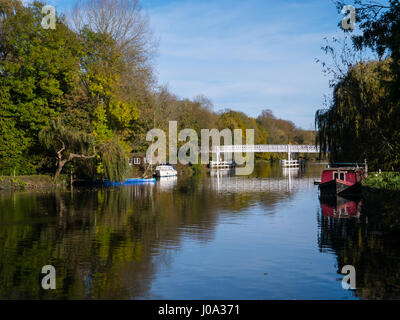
168,173
338,187
128,182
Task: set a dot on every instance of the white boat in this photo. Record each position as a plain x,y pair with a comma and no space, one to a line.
165,171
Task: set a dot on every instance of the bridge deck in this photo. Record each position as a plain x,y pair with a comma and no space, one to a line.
288,148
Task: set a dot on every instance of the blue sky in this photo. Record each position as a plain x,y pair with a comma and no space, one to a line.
244,55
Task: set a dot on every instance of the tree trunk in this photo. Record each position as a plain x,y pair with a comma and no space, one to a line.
61,164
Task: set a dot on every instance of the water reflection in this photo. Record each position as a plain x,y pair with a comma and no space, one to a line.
370,243
338,207
110,243
244,184
105,244
291,172
222,172
167,183
179,238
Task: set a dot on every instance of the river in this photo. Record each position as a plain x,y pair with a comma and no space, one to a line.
216,236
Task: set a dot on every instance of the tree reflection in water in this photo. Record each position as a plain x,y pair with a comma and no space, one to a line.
369,240
109,243
112,243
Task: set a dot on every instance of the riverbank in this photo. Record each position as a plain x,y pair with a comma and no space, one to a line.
34,182
46,182
382,181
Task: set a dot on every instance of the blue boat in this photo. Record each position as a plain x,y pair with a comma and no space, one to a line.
129,182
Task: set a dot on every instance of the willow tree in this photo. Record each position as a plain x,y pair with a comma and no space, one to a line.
359,123
113,160
67,144
363,119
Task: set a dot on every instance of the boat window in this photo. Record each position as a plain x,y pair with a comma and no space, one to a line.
342,176
335,175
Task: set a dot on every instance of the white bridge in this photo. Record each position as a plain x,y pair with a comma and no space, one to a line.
264,148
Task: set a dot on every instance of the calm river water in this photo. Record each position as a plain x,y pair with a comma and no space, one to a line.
267,236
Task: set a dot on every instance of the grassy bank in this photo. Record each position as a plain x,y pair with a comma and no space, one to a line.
31,182
383,181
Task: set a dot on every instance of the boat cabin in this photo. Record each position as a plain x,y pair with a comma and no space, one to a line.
165,170
349,175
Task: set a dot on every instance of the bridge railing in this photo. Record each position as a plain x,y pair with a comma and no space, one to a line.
291,148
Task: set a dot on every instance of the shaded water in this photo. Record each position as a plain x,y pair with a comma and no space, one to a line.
213,237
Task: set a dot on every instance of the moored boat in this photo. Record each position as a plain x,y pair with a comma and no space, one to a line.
165,170
128,182
343,181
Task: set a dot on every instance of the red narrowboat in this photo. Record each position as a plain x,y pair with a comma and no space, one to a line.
342,181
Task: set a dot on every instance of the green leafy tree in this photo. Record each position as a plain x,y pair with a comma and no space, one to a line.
67,143
38,69
114,162
357,125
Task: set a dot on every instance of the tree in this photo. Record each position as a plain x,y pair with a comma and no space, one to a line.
38,69
363,116
357,125
67,143
114,163
124,27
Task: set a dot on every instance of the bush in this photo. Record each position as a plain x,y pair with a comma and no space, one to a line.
384,180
